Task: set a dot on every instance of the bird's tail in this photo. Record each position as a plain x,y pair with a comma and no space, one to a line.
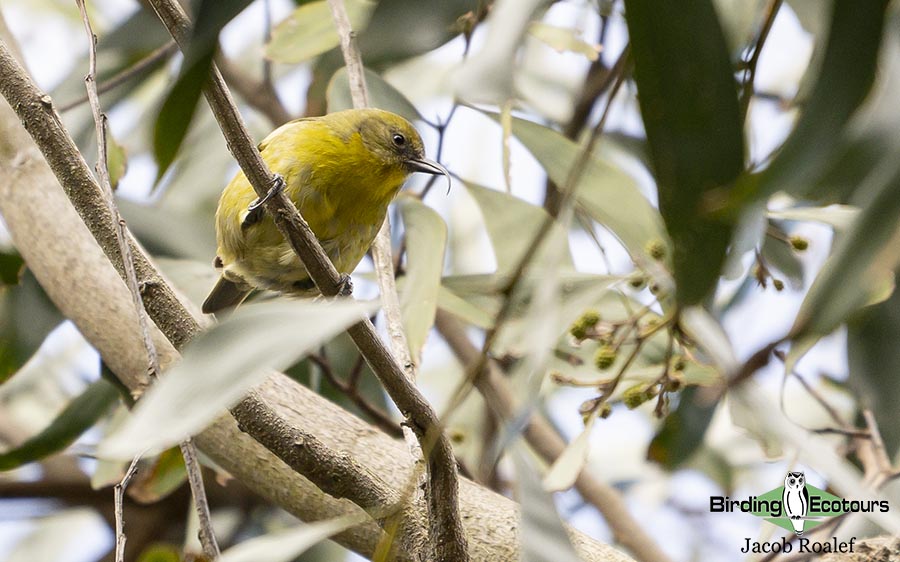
226,294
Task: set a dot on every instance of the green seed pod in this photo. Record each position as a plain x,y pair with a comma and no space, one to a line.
799,243
635,396
605,357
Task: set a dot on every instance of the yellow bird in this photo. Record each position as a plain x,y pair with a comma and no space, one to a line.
341,171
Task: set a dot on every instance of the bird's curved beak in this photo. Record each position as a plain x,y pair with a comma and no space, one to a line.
428,166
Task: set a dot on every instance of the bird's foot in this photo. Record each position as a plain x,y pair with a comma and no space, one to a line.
255,209
345,286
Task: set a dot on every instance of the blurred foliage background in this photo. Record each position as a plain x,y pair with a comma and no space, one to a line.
648,199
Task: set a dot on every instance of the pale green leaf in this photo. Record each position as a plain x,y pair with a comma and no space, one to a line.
860,271
55,536
543,535
569,464
381,95
426,240
563,39
463,309
309,31
512,226
701,327
116,160
605,192
221,364
838,216
287,545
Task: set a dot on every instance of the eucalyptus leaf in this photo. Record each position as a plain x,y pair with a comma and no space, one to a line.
463,309
569,464
512,226
76,418
163,476
543,536
847,73
860,270
11,268
117,160
874,359
837,216
177,111
310,31
689,105
426,241
779,255
682,432
381,95
287,545
221,364
608,194
56,536
564,39
698,324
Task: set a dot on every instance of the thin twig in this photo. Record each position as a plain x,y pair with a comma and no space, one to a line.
125,74
119,508
378,416
195,479
747,89
207,537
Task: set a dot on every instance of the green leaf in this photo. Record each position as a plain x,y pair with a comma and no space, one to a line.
27,316
287,545
176,113
155,482
116,160
874,358
463,309
848,71
426,241
400,29
310,31
160,553
570,462
11,268
222,364
76,418
683,430
543,535
180,104
689,105
512,225
632,219
860,271
381,95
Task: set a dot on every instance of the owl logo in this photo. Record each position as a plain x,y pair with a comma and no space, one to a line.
795,500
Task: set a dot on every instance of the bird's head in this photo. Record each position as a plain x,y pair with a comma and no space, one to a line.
396,143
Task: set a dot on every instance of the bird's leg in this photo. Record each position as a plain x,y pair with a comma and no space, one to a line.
345,286
255,209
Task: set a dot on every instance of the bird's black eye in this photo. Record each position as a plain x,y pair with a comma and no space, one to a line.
399,140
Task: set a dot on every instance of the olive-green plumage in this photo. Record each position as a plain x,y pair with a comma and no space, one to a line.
341,171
